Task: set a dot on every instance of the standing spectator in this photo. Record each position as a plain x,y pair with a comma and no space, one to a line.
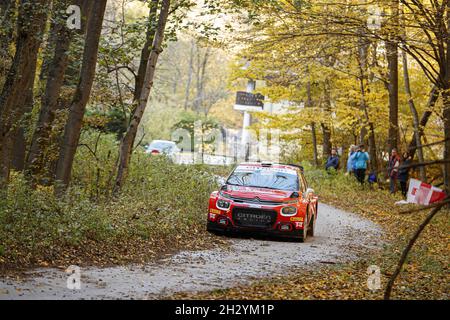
360,159
350,163
333,160
403,173
393,165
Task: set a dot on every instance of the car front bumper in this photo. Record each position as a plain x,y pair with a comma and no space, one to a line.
214,226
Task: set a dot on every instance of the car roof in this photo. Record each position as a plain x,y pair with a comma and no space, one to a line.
271,165
163,141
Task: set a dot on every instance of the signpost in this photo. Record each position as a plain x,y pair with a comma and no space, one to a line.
247,102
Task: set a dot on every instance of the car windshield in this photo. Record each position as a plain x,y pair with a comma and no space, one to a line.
262,177
160,145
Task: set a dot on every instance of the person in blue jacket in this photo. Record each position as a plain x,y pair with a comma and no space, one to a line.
359,160
350,163
333,160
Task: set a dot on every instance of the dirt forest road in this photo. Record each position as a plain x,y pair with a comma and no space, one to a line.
340,237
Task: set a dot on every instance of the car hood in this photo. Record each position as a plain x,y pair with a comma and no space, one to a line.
261,193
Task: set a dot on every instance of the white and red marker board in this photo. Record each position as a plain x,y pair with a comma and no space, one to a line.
424,193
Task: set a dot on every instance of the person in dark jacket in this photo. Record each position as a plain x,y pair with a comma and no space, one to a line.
393,165
333,160
403,173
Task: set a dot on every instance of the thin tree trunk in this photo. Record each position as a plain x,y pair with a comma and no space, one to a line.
413,109
202,62
326,131
145,53
390,285
314,142
31,24
81,97
364,82
363,48
392,57
313,125
434,96
126,145
446,112
446,116
190,73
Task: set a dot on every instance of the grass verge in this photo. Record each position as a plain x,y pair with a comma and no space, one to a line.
162,209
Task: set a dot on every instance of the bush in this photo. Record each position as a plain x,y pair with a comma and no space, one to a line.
160,201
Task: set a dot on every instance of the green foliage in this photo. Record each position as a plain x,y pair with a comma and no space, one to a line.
160,200
110,121
35,221
189,122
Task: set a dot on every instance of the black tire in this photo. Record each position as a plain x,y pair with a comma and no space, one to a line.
216,232
211,230
311,227
304,234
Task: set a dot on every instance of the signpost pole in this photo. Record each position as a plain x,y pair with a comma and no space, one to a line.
245,140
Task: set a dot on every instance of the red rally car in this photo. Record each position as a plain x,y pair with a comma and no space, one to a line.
264,198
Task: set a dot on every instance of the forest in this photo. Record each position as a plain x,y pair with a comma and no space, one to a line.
85,85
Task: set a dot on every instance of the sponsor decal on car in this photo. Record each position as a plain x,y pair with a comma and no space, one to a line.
214,211
297,219
264,170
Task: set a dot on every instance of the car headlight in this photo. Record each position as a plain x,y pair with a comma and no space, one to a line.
223,204
289,211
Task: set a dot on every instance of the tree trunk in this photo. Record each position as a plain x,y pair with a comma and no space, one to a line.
314,143
49,101
434,96
407,249
126,145
19,140
31,24
326,131
81,97
145,53
190,73
202,62
446,98
372,148
413,109
326,142
363,48
392,57
446,103
313,125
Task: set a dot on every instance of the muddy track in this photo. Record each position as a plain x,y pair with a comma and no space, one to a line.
340,237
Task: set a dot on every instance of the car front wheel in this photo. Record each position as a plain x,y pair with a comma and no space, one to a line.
311,226
303,234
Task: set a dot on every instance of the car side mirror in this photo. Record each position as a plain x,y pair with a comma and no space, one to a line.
295,195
